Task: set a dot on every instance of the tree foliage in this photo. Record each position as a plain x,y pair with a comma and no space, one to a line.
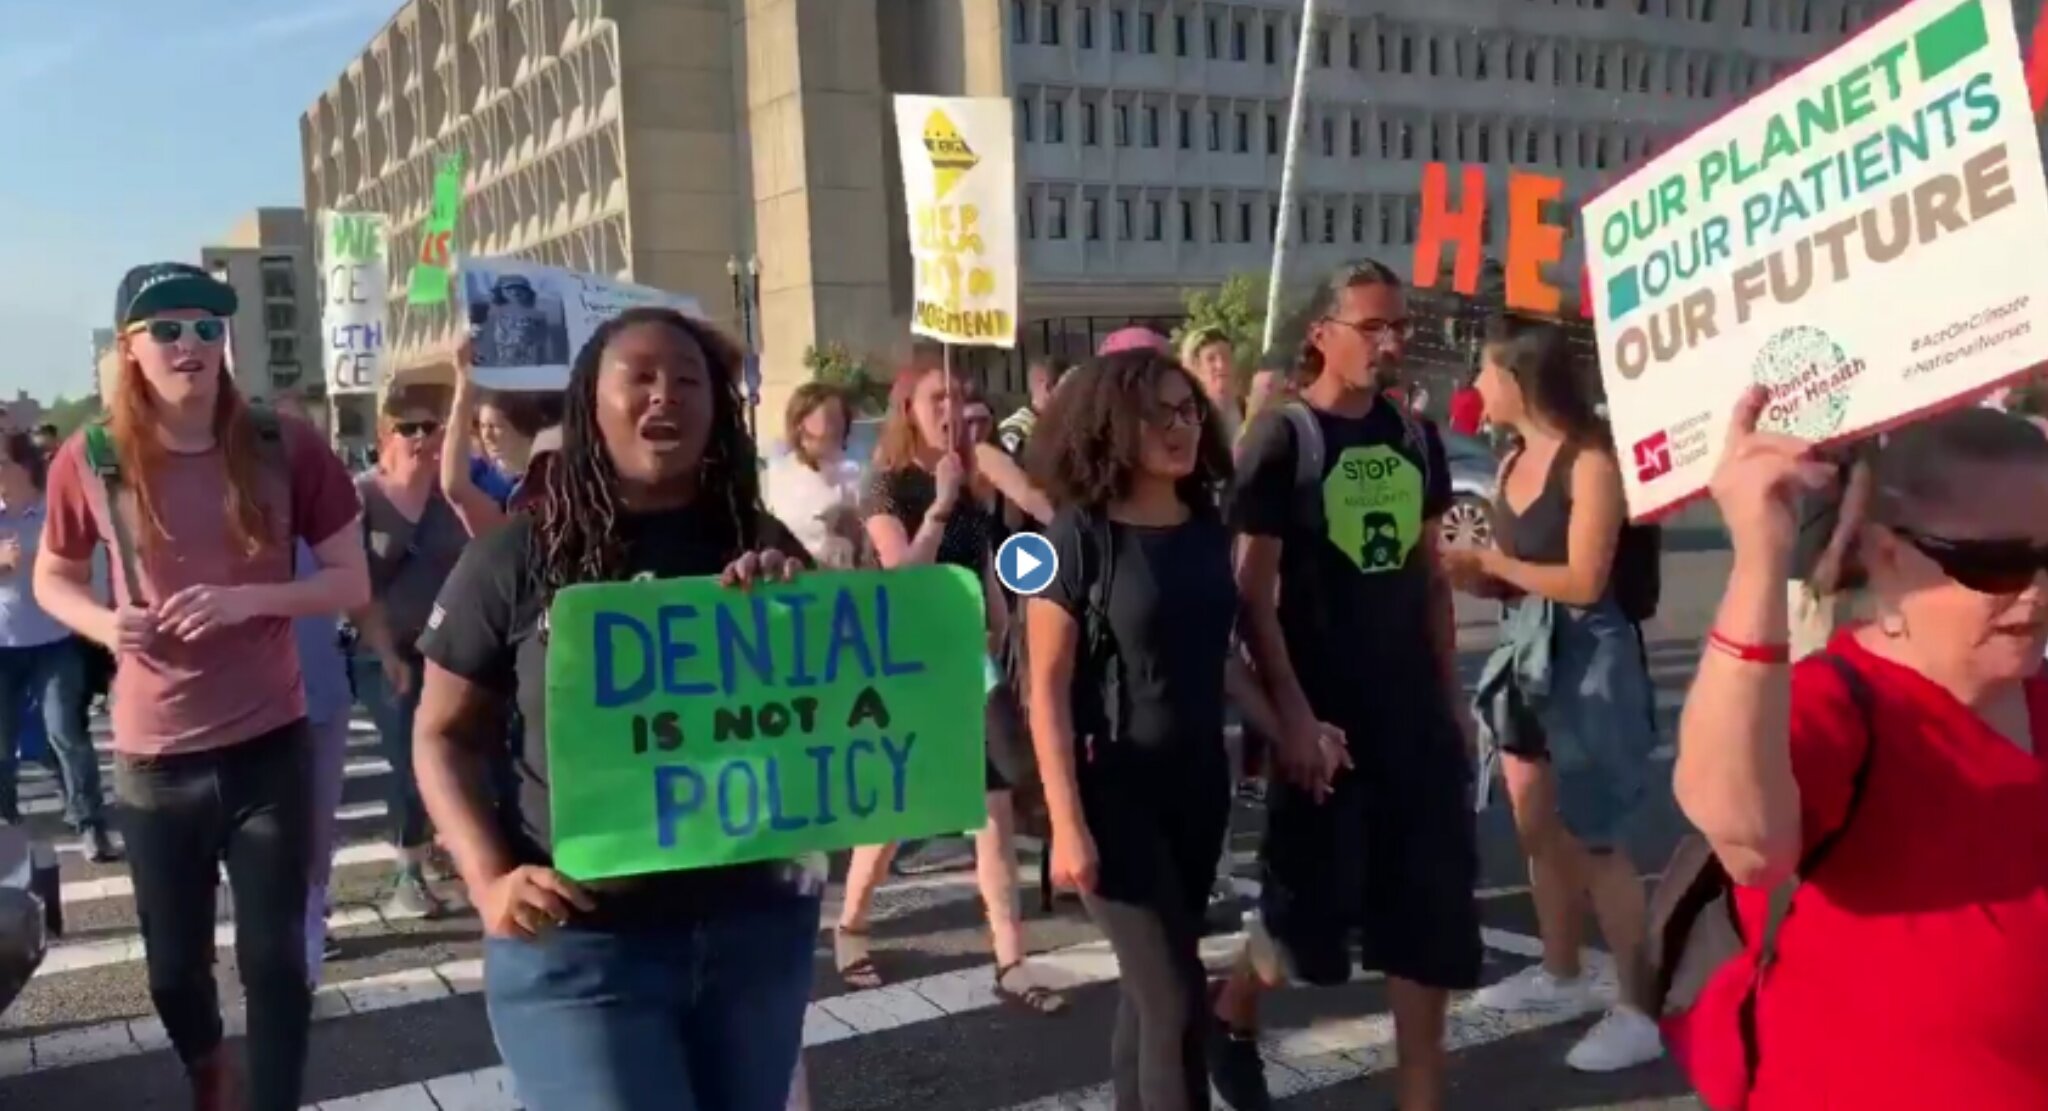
68,414
1237,308
836,364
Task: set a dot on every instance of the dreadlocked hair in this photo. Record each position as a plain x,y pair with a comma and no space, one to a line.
576,538
1084,451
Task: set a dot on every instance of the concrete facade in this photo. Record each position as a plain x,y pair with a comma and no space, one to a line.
268,257
658,140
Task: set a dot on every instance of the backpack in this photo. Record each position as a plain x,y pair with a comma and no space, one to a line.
105,461
1637,578
1695,932
1097,711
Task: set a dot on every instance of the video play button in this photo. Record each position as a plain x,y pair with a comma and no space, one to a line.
1026,563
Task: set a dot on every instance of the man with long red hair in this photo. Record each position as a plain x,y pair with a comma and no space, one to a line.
212,747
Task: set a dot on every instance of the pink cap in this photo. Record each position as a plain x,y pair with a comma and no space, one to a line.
1134,339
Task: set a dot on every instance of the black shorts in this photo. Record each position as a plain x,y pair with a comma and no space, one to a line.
1388,862
1010,763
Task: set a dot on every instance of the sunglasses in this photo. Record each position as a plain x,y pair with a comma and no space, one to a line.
2007,566
416,429
166,332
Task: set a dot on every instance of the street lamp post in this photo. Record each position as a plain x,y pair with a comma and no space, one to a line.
746,303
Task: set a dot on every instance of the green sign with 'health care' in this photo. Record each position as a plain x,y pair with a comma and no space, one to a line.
691,726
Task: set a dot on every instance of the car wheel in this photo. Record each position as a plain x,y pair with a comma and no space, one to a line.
1468,523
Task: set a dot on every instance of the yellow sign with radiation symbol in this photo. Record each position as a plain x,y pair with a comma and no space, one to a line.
960,184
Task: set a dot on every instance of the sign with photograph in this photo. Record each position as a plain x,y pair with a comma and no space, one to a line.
960,184
354,311
693,726
528,321
1845,239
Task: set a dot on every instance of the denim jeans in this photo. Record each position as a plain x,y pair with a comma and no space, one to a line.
393,713
250,805
703,1016
55,674
329,754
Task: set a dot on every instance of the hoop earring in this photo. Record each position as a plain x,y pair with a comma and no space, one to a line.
1892,624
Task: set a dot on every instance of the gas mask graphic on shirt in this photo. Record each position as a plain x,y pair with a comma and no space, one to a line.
1381,546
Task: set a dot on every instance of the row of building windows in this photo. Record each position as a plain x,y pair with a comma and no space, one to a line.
1385,219
1127,29
1241,130
1584,64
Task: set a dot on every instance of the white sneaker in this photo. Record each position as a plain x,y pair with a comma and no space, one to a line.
1535,989
1623,1039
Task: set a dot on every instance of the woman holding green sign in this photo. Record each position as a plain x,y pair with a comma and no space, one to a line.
675,991
1129,649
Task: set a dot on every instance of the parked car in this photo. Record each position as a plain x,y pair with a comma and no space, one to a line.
1475,476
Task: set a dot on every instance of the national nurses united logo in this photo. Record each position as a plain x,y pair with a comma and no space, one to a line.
1810,378
1372,500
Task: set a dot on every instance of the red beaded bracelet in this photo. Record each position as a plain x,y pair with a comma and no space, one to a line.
1750,653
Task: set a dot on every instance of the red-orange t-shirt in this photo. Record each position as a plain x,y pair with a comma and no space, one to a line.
1913,971
231,685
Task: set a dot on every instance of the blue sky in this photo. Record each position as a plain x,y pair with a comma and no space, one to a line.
138,130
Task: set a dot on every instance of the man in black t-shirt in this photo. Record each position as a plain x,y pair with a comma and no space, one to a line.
1370,840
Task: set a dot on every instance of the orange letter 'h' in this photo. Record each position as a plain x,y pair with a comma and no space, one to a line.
1440,225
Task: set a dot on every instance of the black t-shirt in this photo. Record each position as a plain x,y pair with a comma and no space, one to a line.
489,628
1157,798
907,494
1172,604
1354,601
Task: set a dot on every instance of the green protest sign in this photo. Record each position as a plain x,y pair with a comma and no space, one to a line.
691,726
437,240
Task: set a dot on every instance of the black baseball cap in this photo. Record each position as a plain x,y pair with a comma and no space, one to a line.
165,286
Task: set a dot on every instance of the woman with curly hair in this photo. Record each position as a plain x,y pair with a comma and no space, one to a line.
1128,653
676,990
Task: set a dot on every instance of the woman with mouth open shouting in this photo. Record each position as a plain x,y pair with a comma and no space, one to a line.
675,991
213,753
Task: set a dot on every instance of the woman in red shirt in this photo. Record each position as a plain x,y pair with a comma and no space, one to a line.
1913,969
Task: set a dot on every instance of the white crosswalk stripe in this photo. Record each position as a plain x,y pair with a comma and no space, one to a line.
85,1024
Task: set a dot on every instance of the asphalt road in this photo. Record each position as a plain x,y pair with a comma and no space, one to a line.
400,1025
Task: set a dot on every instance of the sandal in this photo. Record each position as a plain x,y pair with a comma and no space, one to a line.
1035,998
850,955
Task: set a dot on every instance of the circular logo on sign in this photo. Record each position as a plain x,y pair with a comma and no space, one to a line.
1808,375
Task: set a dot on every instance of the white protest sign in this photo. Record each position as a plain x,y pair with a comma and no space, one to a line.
1853,239
528,321
353,315
960,185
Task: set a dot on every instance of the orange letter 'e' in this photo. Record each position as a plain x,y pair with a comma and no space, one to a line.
1532,243
1440,225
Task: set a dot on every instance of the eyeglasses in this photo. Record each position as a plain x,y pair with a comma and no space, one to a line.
2002,566
416,429
1165,417
1378,331
166,332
